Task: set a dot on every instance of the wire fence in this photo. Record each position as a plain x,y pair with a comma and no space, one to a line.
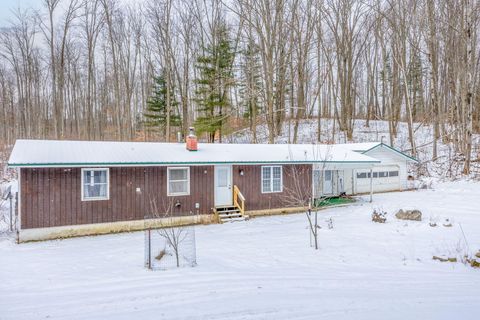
168,248
8,216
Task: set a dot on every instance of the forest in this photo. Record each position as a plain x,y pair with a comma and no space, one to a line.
144,71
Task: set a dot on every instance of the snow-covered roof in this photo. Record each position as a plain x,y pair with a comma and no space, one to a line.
56,153
361,146
365,147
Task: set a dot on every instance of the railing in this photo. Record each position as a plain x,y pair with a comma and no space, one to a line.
237,195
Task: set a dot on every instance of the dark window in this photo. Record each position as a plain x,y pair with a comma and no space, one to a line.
361,175
383,174
393,173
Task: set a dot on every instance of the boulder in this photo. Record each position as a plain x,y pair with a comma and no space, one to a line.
414,215
474,263
444,259
379,216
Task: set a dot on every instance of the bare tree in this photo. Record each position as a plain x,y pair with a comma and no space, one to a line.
174,236
85,69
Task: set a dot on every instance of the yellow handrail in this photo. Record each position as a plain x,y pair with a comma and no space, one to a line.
237,195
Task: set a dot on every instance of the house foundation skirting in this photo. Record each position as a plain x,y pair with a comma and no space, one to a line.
51,233
275,211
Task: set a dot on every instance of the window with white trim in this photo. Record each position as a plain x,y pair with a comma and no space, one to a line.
178,181
272,179
95,184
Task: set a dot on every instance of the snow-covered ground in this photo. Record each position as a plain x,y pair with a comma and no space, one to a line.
264,268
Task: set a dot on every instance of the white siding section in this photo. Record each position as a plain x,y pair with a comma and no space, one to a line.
389,160
339,177
348,175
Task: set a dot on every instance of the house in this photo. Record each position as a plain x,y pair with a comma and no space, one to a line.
72,188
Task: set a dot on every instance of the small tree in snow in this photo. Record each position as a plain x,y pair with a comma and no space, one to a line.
299,194
175,238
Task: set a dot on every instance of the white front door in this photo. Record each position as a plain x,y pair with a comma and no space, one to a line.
223,186
328,182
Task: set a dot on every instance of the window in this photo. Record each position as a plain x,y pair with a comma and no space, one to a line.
375,174
393,173
328,175
383,174
272,179
361,175
95,184
178,181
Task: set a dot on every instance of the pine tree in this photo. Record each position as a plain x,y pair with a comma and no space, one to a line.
215,78
415,83
156,111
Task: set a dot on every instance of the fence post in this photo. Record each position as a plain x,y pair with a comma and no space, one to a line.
17,227
10,197
149,250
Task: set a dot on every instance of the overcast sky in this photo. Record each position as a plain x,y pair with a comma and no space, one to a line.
6,7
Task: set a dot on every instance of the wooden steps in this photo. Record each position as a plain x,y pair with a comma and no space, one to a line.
229,214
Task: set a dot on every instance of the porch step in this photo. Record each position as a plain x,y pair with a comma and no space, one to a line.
228,211
226,208
242,218
229,214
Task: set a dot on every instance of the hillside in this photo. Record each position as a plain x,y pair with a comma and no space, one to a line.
447,165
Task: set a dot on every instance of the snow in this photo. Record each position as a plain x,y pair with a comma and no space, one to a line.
447,165
84,153
264,268
360,146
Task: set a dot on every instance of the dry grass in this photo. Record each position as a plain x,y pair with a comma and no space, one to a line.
161,254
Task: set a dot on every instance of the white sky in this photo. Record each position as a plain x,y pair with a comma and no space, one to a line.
7,6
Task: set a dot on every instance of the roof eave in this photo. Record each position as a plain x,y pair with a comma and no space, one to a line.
151,164
409,158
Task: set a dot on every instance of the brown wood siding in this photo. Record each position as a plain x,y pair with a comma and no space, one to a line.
297,185
52,196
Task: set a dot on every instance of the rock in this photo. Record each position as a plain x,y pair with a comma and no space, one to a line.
444,259
432,224
474,263
477,254
440,259
379,216
447,223
414,215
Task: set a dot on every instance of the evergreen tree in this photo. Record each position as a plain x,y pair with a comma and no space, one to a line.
157,108
215,78
415,75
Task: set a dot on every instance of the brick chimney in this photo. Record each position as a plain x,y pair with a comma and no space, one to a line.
192,140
